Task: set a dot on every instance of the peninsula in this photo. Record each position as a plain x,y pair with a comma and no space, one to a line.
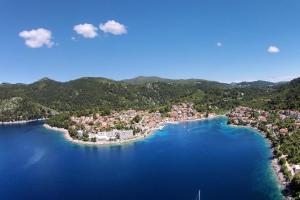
125,126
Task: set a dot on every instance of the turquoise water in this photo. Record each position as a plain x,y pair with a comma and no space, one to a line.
222,162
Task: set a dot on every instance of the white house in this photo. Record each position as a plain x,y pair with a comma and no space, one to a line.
80,133
297,168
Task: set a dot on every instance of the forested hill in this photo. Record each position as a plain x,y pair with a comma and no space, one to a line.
87,93
287,96
201,83
101,94
258,83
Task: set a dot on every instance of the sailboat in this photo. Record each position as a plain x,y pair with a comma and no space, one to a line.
198,197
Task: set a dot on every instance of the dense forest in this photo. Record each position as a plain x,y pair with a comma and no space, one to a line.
17,108
287,96
47,97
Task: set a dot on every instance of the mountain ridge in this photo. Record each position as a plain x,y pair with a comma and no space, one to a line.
141,80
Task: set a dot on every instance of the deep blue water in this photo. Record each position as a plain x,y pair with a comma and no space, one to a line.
222,161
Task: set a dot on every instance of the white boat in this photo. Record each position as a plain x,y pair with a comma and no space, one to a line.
198,197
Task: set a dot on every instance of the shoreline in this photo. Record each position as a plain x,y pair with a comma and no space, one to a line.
274,162
100,143
276,167
148,133
21,122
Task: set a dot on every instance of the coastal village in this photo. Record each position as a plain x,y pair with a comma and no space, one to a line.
275,125
254,117
130,124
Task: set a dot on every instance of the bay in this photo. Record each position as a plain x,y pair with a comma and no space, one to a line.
221,161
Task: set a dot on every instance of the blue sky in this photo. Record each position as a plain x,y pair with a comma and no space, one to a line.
167,38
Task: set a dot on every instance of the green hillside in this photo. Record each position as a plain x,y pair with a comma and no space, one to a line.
287,96
17,108
88,95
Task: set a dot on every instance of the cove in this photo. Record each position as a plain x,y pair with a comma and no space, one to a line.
221,161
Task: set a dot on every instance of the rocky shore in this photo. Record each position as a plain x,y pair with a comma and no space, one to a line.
274,161
275,126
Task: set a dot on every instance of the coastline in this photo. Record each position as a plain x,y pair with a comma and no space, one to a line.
120,142
274,161
81,142
21,122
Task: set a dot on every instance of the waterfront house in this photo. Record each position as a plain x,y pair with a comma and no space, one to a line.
80,133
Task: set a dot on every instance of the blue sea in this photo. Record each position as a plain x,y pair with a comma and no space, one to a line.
220,161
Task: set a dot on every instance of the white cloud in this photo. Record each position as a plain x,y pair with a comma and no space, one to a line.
37,38
86,30
113,27
273,49
219,44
